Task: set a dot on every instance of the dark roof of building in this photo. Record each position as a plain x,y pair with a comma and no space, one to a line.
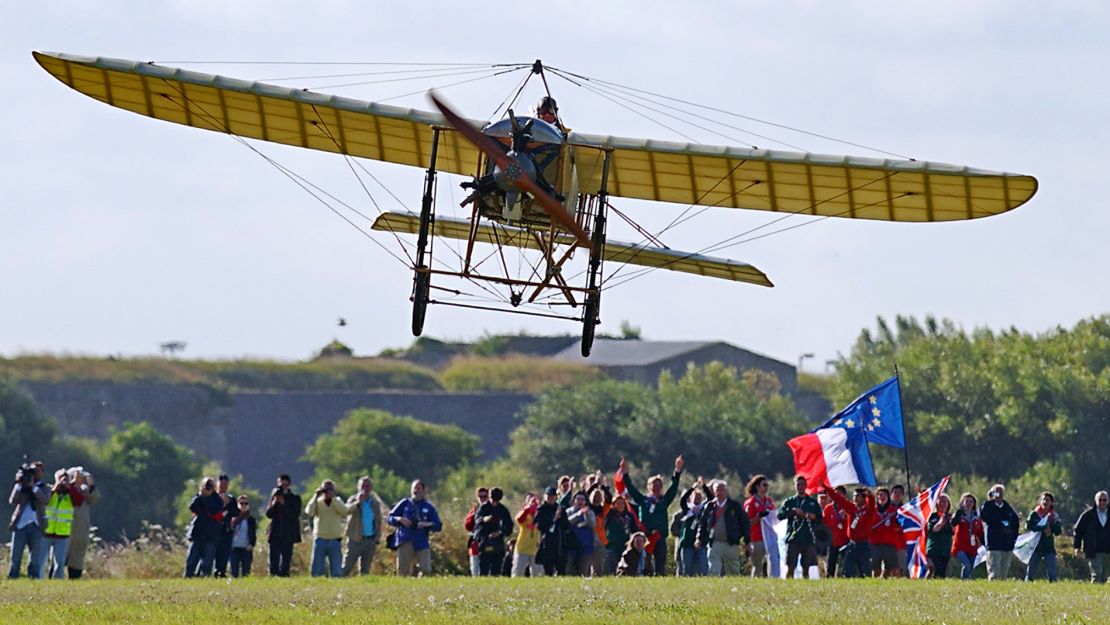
623,353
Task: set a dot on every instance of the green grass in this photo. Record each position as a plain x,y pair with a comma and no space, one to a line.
567,600
318,375
516,373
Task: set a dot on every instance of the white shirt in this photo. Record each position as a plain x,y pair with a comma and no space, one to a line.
1101,516
28,516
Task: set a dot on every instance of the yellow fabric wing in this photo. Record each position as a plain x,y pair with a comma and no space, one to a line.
267,112
732,177
794,182
615,251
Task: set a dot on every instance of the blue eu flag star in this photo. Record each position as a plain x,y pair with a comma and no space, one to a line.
877,413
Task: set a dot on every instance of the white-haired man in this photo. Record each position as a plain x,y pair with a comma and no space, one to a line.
1002,526
1092,537
723,525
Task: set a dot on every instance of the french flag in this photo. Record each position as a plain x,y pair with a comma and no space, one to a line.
832,456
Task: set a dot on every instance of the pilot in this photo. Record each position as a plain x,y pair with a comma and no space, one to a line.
548,110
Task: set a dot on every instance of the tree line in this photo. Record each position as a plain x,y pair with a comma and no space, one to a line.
1029,410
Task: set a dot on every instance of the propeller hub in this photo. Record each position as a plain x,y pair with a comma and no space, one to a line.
520,165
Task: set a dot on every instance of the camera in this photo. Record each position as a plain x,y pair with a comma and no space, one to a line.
26,473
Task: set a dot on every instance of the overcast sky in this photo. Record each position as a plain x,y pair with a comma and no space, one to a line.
119,232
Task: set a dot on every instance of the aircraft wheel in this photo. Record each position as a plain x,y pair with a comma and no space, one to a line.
421,288
589,323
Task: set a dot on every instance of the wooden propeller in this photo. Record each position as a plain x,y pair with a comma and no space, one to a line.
550,205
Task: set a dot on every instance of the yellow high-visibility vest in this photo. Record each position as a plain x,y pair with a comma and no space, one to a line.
59,514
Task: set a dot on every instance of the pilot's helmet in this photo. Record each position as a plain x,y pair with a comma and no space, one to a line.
547,105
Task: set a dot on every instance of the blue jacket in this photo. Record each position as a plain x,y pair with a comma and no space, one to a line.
414,511
207,518
1002,525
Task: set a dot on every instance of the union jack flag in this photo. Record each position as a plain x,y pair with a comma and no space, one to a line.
912,516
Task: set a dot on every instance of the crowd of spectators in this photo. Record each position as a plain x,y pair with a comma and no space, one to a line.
51,522
585,527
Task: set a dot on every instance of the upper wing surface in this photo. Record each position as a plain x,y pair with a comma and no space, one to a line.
798,182
684,173
268,112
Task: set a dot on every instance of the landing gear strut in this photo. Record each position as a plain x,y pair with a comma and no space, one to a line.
422,277
591,314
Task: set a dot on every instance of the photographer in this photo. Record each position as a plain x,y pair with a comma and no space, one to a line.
204,529
328,514
967,534
28,520
364,527
82,523
1001,523
64,498
284,512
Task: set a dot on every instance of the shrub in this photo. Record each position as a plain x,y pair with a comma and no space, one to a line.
516,373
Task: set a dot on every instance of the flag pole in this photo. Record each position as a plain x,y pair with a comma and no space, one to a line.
905,440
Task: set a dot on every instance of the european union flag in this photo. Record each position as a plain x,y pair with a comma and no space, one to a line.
877,413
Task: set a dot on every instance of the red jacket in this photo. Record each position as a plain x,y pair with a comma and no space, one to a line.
860,522
967,534
469,524
754,506
886,530
836,519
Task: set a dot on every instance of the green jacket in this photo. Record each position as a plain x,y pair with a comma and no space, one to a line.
800,530
1047,544
938,544
652,513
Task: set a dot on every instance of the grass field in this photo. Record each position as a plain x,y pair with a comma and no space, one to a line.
461,601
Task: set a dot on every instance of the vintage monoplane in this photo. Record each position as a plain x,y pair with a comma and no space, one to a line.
538,187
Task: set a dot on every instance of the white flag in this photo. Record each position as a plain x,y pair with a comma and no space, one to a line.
771,544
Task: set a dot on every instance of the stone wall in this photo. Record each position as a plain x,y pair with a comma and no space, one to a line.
269,432
262,434
195,416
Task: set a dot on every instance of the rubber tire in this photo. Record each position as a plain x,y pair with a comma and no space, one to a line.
589,324
422,288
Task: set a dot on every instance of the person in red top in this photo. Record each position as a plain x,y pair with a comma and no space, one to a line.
862,516
968,534
481,496
836,519
897,497
886,536
757,506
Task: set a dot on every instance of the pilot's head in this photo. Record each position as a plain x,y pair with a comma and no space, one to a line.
547,109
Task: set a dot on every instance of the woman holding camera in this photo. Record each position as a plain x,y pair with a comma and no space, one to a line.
967,534
204,529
